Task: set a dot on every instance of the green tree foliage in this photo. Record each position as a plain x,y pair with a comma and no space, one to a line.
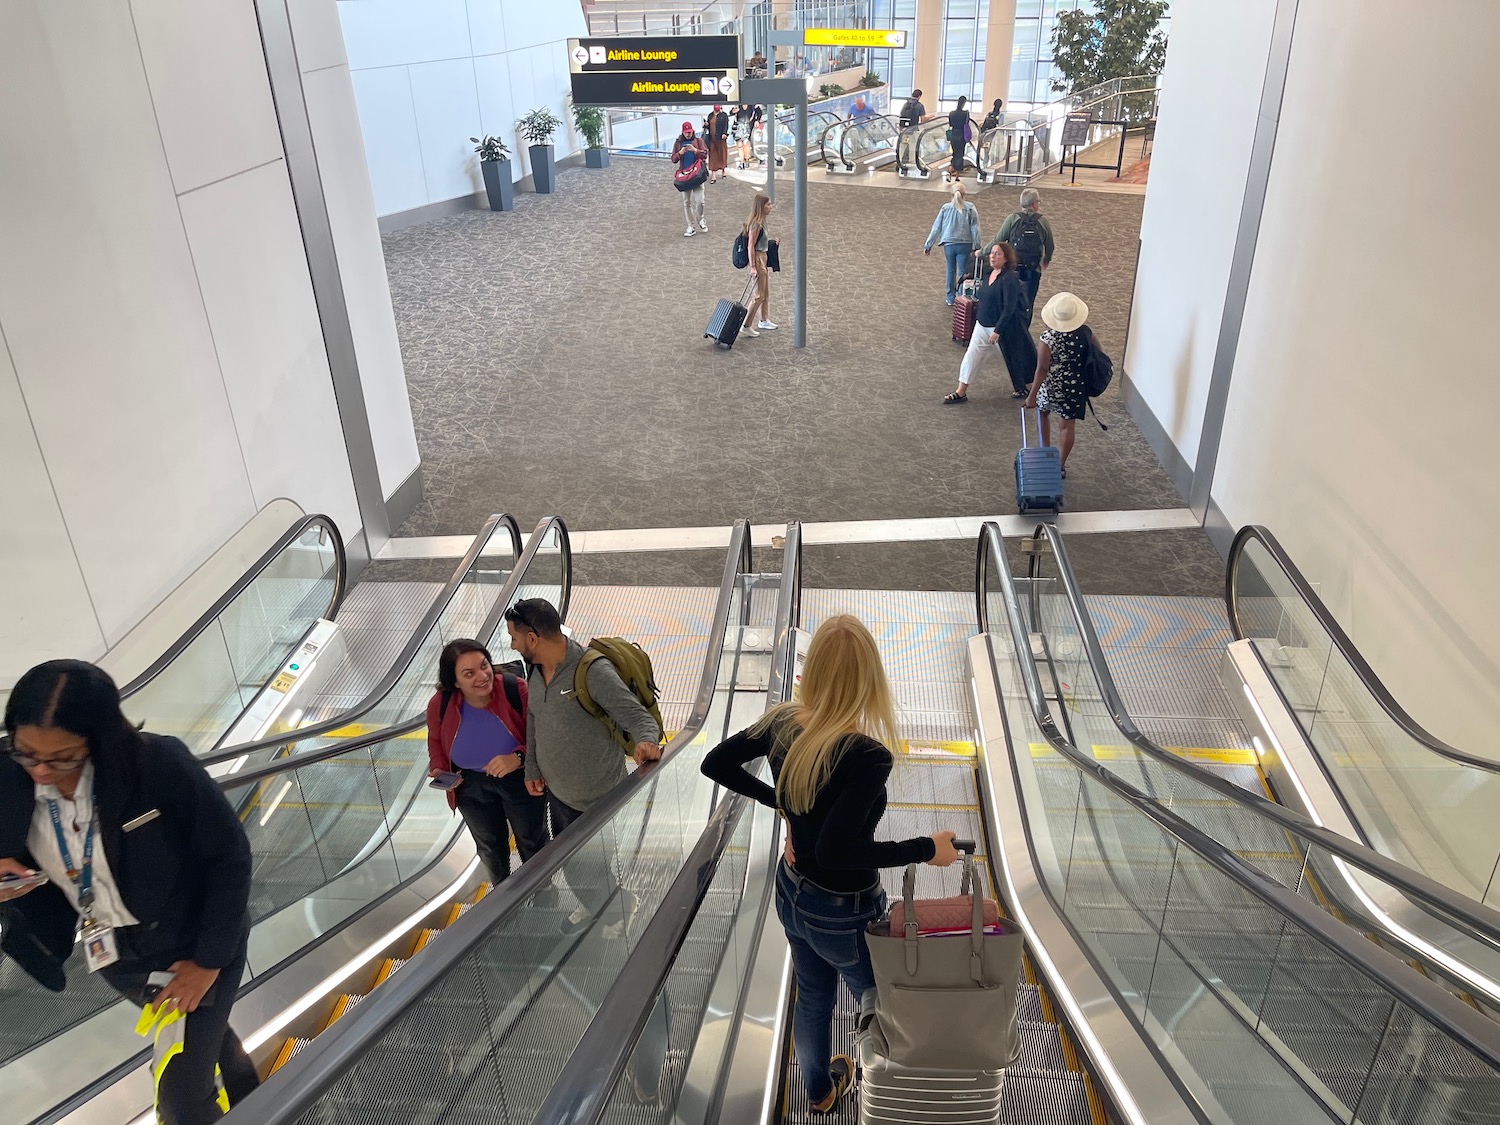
1115,39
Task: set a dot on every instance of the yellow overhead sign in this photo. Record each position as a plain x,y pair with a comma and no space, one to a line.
852,37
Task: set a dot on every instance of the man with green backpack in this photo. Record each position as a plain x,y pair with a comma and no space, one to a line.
588,709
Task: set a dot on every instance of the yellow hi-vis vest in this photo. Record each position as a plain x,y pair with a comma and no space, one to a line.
166,1044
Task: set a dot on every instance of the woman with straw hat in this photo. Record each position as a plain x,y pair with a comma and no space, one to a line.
1059,387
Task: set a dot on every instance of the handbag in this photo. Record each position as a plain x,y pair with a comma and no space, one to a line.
946,1000
692,172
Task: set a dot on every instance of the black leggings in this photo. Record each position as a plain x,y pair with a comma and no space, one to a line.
494,809
188,1094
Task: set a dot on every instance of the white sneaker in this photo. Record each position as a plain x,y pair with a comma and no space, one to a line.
689,233
765,325
749,332
616,928
703,225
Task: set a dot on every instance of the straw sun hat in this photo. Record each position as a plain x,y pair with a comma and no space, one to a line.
1065,312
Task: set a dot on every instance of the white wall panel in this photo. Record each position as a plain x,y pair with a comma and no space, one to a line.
394,32
1198,164
387,123
497,109
318,35
528,24
487,27
100,305
208,86
523,99
447,112
1360,419
351,213
254,273
47,610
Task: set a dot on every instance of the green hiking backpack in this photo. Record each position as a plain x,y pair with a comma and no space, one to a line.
634,666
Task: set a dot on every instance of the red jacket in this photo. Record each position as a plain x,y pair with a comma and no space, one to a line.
440,738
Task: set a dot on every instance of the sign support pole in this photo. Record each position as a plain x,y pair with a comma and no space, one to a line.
793,92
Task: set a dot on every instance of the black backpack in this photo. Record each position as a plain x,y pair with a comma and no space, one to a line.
1027,241
740,255
1098,370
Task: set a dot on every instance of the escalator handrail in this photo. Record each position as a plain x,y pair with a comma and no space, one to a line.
1341,641
241,584
289,1092
581,1094
398,665
1480,921
384,734
1471,1028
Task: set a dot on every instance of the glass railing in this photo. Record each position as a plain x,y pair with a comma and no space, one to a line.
924,149
1452,936
462,609
203,682
785,133
1411,795
501,1002
869,142
328,839
1267,1007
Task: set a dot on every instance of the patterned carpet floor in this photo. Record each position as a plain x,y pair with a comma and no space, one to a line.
556,363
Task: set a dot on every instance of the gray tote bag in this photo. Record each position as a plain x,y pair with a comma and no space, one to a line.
946,1001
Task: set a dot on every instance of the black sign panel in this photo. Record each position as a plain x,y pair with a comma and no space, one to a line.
1076,129
657,70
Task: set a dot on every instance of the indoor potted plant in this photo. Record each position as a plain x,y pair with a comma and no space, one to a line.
537,127
494,165
589,120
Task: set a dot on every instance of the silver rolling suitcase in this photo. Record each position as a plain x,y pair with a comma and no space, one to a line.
903,1095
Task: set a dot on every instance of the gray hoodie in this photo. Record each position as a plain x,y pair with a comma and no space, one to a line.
568,746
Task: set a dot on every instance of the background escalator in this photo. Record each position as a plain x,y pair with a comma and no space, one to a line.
1170,683
334,829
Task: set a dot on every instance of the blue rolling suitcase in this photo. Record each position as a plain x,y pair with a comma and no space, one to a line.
1039,479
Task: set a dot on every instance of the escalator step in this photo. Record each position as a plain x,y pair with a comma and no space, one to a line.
422,939
345,1003
288,1049
390,965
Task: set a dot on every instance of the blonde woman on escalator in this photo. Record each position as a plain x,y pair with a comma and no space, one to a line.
831,752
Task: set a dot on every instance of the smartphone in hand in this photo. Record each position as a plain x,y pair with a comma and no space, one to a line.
22,882
445,780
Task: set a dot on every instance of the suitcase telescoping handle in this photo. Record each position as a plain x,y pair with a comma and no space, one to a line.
1026,444
749,284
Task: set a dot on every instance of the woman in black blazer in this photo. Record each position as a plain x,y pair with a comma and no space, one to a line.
147,862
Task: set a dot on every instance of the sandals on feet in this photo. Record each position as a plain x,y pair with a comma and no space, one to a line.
952,398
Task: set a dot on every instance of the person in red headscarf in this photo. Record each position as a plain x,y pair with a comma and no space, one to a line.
691,158
716,126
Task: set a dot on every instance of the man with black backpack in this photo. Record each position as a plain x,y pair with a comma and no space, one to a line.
583,720
1030,236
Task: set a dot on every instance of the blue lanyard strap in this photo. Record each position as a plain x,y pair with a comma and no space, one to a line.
82,877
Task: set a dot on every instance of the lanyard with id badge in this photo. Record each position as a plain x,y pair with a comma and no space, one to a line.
98,940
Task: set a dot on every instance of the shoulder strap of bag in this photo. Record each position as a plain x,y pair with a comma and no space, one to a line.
443,707
512,688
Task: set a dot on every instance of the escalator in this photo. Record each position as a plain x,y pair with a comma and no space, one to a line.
861,145
783,136
1190,722
923,149
1172,980
357,862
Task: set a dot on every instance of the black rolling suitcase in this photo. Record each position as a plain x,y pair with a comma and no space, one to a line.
1039,479
728,318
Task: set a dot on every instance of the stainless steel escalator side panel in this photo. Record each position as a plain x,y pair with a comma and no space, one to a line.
1302,782
1141,1089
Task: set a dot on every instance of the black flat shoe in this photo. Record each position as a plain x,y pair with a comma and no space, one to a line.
951,399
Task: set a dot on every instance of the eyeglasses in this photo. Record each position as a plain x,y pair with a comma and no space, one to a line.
60,765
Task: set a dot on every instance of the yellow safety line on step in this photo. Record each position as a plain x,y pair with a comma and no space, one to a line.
921,747
1224,755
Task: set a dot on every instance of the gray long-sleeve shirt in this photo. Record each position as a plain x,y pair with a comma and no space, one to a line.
568,746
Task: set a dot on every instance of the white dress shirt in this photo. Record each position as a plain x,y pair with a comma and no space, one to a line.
41,841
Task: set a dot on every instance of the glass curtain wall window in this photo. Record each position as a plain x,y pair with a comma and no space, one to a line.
897,67
965,30
1031,69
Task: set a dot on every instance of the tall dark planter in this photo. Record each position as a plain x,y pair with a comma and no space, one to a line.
498,185
543,169
596,157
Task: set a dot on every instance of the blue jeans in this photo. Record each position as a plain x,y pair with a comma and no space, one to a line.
827,936
957,254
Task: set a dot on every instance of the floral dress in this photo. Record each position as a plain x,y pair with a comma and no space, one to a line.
1064,391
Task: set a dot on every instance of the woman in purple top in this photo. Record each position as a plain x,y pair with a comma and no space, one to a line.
476,728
